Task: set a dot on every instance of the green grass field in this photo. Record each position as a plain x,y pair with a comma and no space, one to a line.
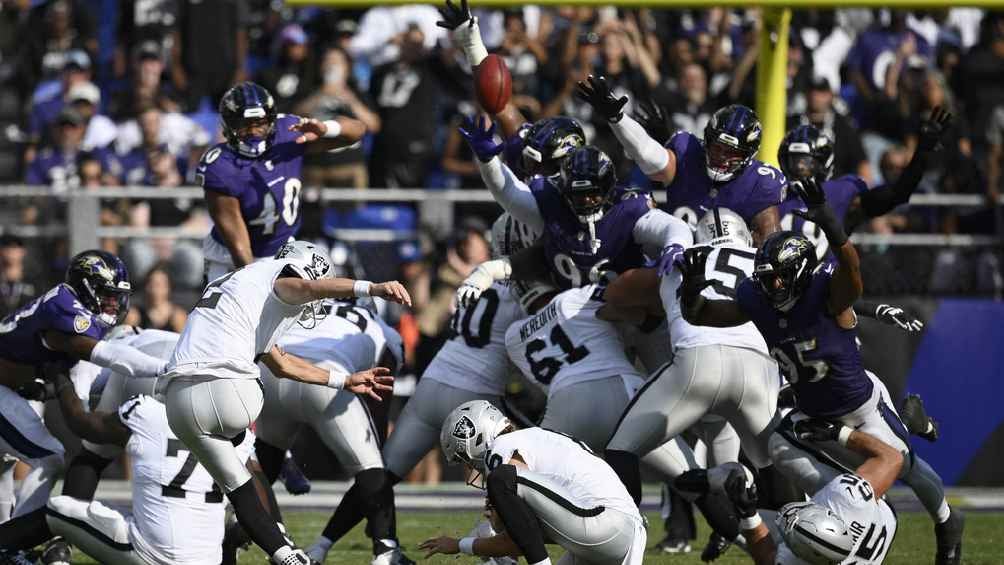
914,543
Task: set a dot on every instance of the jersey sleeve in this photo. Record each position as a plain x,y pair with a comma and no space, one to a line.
65,314
847,494
283,134
214,171
771,188
503,450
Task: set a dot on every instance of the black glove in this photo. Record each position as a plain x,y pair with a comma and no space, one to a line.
896,316
811,192
743,496
817,429
933,129
654,119
916,420
37,389
454,17
692,269
694,481
786,397
597,93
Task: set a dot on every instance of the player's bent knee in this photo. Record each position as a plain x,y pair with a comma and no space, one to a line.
67,507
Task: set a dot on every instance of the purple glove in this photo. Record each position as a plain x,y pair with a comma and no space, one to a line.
480,135
671,256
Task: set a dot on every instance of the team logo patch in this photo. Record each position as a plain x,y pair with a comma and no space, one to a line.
81,323
464,428
791,248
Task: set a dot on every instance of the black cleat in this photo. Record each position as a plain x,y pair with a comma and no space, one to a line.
949,537
293,478
717,546
56,552
916,420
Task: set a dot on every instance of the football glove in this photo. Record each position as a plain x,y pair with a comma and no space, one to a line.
896,316
596,92
932,130
480,135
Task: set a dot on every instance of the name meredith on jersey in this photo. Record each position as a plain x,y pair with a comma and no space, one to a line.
538,321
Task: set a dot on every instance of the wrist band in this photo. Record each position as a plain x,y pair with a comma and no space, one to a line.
336,379
334,128
750,523
844,433
361,289
467,546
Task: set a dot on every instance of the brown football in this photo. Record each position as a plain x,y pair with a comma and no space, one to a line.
493,84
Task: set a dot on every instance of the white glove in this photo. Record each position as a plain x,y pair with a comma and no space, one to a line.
484,276
897,316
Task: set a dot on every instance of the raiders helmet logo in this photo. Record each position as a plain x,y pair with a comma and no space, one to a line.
464,428
318,266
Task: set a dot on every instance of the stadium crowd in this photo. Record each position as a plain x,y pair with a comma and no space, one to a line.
99,93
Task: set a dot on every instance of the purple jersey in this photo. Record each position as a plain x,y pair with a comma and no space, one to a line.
57,310
819,358
840,193
692,193
268,187
570,254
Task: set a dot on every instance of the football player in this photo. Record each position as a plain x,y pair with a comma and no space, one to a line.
177,510
803,309
214,393
847,521
63,326
543,486
588,225
252,180
346,338
721,171
807,152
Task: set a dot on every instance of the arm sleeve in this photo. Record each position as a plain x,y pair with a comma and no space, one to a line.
127,360
650,156
657,230
866,308
511,193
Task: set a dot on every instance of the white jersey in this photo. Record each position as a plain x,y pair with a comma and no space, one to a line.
155,343
178,511
347,337
568,462
871,522
238,318
728,266
474,356
565,343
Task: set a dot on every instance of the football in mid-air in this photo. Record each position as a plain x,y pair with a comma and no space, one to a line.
493,84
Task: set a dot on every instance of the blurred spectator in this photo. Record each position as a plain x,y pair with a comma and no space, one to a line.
876,49
15,288
524,56
147,23
45,106
952,168
685,99
981,71
209,49
821,112
56,164
53,32
142,164
406,93
384,34
458,159
337,98
146,85
293,76
995,155
85,98
157,311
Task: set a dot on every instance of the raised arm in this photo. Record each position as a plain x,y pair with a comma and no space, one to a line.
119,357
764,223
511,193
889,314
294,290
657,162
846,285
329,134
882,462
657,230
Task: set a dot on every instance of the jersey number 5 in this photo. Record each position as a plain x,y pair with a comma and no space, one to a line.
269,203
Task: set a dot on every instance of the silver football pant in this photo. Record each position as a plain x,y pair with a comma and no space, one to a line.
206,413
735,383
596,536
339,418
97,530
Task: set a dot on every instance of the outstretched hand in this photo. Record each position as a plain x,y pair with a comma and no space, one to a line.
370,382
443,544
932,130
653,118
454,16
311,130
480,135
596,92
392,291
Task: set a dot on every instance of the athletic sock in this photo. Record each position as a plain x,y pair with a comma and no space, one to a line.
319,551
258,524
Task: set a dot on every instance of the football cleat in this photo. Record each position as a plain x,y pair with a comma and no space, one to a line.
292,476
717,546
393,557
15,558
916,419
56,552
949,536
671,544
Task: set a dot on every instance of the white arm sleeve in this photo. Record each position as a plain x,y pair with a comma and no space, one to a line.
468,38
511,193
651,157
656,230
127,360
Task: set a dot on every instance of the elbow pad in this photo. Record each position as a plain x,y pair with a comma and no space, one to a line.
127,360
